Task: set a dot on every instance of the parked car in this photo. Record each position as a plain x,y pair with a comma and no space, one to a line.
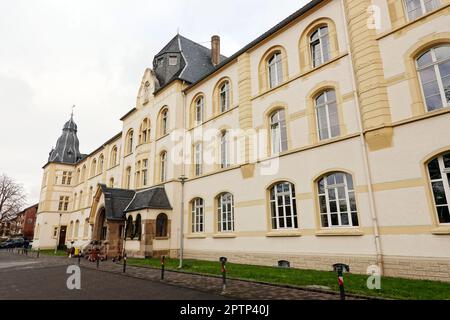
6,244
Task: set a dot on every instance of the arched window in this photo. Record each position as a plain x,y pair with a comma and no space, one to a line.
144,133
198,159
164,122
225,212
433,67
161,225
128,178
137,228
283,206
70,232
129,228
199,110
83,173
278,132
93,167
224,150
224,96
320,46
111,183
113,160
275,69
78,176
101,161
86,229
80,204
417,8
163,166
197,215
76,230
129,142
327,115
337,201
439,173
75,198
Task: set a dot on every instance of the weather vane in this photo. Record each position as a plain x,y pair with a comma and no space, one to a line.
73,107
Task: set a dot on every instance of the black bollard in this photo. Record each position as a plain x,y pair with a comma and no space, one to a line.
98,261
163,258
124,263
79,258
38,252
340,268
223,269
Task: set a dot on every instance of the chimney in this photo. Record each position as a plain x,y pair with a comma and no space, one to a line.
215,50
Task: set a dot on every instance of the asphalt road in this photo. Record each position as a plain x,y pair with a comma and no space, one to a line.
22,278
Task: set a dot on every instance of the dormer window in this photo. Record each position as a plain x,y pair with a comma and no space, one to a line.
160,62
173,60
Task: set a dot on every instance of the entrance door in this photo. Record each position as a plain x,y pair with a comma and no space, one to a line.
62,237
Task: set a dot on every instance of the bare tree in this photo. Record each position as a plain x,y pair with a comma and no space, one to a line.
12,197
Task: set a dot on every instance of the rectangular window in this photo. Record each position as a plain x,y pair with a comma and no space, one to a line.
198,159
173,60
417,8
144,172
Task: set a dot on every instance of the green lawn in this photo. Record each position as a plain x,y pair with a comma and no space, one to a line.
394,288
59,253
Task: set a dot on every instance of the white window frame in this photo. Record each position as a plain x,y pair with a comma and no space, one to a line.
319,42
423,8
275,62
198,216
164,121
224,97
292,203
435,63
326,104
444,171
225,217
334,189
277,126
224,150
163,167
198,159
199,109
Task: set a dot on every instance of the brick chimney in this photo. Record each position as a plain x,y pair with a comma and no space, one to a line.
215,50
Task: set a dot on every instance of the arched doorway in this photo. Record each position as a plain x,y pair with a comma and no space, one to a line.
101,226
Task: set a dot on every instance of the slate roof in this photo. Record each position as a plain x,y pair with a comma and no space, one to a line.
116,200
153,198
67,148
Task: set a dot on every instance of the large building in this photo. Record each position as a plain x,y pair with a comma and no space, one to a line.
324,140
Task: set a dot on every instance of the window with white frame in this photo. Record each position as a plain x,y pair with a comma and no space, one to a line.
275,68
434,72
327,115
225,213
199,103
224,150
113,161
278,132
320,46
128,178
224,96
198,159
129,142
417,8
144,172
283,206
337,201
439,173
163,167
197,215
164,122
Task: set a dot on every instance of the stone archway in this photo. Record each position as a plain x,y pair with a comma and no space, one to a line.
100,226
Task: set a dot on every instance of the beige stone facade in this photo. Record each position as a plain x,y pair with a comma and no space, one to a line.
334,92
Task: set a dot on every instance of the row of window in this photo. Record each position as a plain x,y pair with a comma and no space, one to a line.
133,229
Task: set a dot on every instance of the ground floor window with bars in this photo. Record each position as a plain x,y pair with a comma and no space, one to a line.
337,201
283,206
225,213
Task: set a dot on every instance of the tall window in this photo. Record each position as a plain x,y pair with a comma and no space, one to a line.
93,167
144,134
439,171
101,161
199,106
434,71
75,198
224,96
197,215
63,204
144,172
225,213
275,68
66,178
137,228
86,229
198,159
164,122
80,203
163,167
129,142
129,228
111,183
128,178
337,201
76,230
113,161
278,132
161,225
327,115
320,46
417,8
283,206
137,180
77,176
224,150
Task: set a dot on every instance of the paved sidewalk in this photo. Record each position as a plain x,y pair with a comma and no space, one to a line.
237,289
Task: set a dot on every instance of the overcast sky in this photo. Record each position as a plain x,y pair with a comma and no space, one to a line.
56,53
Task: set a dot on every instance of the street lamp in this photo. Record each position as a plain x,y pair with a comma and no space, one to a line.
182,179
58,233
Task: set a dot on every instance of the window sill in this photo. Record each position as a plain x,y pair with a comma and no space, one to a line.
161,238
339,232
197,236
280,234
224,236
441,230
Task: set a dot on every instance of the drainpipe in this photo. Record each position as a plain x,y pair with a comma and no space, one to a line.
364,153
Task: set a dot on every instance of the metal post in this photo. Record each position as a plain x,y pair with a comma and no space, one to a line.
340,268
38,252
163,258
124,263
58,233
183,179
223,269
